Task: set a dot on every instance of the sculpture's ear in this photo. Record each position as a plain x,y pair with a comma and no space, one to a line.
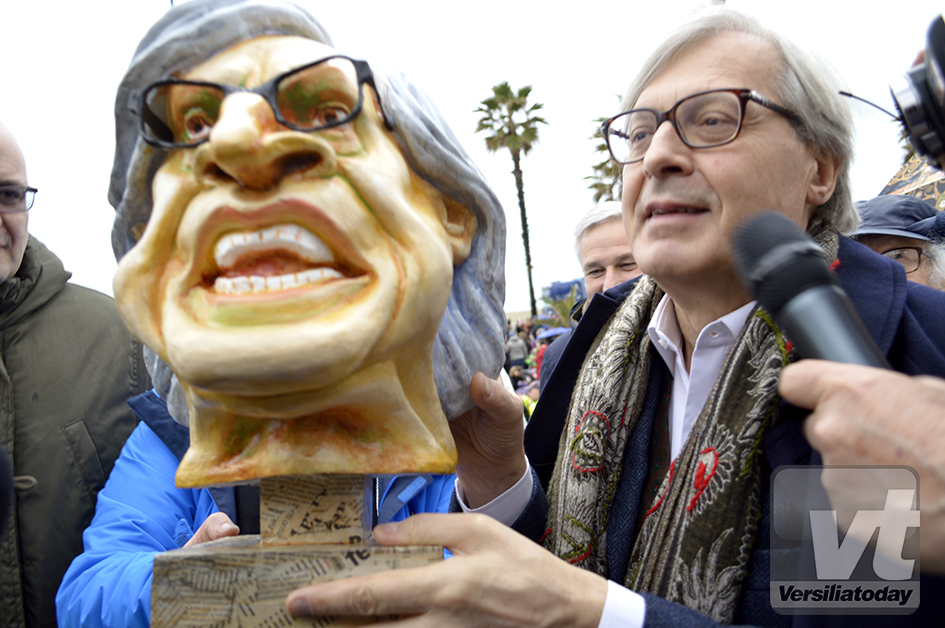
460,227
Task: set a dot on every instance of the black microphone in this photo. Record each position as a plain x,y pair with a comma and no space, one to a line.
784,269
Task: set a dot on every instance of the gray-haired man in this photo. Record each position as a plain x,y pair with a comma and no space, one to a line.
661,445
602,250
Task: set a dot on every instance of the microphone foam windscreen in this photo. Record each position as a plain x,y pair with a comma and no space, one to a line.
777,260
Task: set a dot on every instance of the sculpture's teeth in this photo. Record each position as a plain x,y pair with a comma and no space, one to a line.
289,237
255,284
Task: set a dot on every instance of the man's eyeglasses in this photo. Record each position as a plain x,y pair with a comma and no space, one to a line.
178,114
16,198
702,120
910,257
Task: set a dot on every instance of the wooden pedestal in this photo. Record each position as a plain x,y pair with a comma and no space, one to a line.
313,529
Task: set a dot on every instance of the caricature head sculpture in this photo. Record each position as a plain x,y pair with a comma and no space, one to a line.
305,245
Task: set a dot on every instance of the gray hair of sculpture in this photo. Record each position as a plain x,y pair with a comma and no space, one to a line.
606,211
806,86
470,337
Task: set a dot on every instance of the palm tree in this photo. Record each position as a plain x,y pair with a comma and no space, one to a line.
606,175
512,124
606,178
562,307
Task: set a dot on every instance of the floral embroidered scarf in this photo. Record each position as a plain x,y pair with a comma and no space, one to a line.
696,541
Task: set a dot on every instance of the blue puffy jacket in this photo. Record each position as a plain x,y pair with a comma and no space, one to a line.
141,512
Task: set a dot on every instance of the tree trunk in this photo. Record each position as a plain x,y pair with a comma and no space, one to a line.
520,186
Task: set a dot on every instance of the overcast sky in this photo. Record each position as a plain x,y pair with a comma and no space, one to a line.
64,60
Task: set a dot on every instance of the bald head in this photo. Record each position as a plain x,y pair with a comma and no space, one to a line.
11,157
13,235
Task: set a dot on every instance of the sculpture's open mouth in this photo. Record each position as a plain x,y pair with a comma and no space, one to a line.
270,259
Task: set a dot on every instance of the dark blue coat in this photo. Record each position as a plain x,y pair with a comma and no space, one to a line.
905,321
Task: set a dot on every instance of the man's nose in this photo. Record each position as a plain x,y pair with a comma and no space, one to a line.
248,144
611,278
667,153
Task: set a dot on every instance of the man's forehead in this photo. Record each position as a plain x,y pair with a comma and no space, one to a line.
254,61
608,239
725,60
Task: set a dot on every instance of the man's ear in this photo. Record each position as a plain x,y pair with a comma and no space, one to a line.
460,225
824,180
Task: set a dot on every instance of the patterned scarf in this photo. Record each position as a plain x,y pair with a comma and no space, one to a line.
697,538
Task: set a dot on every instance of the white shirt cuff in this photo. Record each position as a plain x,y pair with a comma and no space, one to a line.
508,506
622,608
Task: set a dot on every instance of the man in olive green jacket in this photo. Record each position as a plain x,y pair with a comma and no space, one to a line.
67,365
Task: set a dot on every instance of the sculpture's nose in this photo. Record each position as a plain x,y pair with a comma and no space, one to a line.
249,145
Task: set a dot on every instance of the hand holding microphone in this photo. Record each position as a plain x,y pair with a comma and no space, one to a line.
860,416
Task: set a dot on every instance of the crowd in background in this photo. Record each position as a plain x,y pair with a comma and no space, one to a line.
524,354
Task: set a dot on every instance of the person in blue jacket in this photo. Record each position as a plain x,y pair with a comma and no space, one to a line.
141,512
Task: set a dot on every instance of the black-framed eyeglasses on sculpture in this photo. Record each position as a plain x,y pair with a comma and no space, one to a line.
910,257
16,198
177,113
702,120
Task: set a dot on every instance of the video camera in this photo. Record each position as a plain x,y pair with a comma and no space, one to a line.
920,98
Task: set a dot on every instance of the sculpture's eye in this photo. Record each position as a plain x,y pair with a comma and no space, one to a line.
322,95
197,125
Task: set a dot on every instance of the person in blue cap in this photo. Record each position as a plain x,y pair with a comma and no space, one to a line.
899,227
